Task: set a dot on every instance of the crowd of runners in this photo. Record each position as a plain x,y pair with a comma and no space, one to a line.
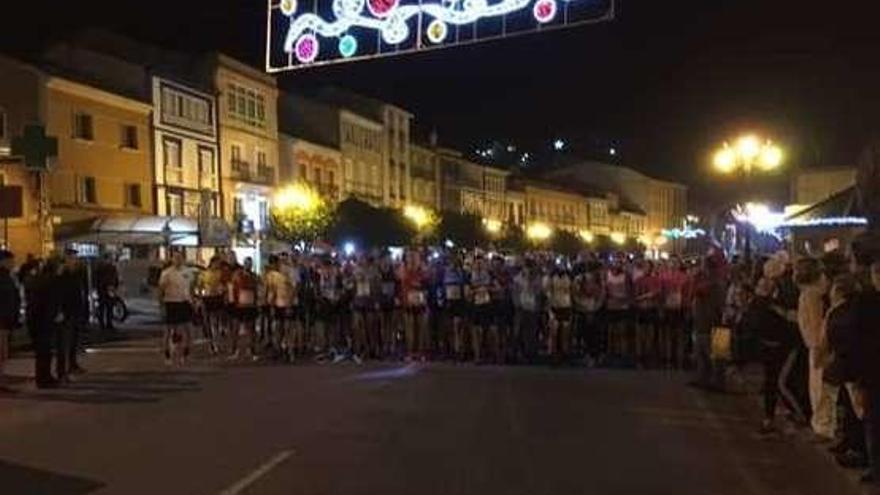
461,306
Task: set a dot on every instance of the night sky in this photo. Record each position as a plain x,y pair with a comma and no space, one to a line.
663,83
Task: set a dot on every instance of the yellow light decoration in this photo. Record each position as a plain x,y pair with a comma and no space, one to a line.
660,240
725,160
492,226
539,231
748,147
771,157
297,196
618,237
587,236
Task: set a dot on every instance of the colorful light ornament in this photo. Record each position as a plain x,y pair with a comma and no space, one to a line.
392,19
544,10
348,46
307,48
827,222
437,31
288,7
382,8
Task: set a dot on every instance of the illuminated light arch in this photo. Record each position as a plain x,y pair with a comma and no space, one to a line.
400,24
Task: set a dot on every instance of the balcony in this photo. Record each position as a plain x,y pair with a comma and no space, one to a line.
242,171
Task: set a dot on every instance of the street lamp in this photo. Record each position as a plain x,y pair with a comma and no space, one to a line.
422,218
539,232
492,226
744,156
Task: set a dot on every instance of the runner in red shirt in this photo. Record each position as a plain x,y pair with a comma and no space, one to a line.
413,283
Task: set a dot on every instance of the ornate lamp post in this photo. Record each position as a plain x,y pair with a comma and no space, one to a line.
745,156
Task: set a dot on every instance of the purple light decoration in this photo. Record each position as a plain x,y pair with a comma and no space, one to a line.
307,48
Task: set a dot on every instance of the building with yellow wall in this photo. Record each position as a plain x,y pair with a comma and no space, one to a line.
555,206
105,162
103,166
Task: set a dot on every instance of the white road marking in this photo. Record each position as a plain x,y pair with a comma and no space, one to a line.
256,474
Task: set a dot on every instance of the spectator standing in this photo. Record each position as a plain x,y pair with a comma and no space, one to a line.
709,296
73,289
43,315
107,287
811,321
10,306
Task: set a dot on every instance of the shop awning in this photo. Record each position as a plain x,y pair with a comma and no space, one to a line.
147,231
839,210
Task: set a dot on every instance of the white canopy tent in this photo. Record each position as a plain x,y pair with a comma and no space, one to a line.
150,231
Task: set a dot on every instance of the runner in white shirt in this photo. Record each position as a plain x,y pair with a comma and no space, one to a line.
279,298
175,292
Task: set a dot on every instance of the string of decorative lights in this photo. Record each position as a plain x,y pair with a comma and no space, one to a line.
391,20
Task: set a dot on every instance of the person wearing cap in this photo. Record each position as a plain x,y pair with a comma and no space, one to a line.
10,305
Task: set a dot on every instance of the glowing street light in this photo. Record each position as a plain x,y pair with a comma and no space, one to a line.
747,153
587,236
539,232
492,226
422,218
618,238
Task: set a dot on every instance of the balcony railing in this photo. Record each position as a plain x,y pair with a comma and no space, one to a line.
243,172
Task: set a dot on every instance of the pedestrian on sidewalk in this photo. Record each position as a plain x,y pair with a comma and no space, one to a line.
73,291
10,305
43,316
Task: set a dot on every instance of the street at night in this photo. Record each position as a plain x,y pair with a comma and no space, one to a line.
451,247
393,429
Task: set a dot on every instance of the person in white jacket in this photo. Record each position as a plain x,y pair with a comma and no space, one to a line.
814,287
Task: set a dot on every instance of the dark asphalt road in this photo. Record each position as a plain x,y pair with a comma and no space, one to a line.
395,429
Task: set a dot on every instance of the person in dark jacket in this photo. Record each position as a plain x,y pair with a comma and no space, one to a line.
106,284
73,291
842,370
43,315
10,306
868,370
709,294
775,341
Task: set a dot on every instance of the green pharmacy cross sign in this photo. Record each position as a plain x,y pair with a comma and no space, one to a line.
309,33
35,147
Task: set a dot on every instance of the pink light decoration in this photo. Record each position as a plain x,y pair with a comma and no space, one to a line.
544,11
382,8
307,48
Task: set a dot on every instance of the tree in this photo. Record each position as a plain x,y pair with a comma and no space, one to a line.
566,243
464,229
513,239
369,227
300,214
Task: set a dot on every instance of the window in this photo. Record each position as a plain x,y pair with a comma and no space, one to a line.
171,153
88,191
316,177
133,195
237,207
246,105
129,137
83,126
3,132
330,177
175,204
235,154
207,167
261,158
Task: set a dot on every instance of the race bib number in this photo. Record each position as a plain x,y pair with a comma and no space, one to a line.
416,298
481,296
247,298
453,292
363,289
